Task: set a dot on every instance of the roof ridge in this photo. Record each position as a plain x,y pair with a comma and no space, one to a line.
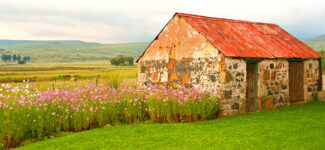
223,19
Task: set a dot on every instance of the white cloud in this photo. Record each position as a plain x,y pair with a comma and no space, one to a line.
111,21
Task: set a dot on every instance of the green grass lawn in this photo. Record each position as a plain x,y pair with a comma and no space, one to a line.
300,126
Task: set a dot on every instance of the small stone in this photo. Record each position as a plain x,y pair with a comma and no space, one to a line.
273,75
213,78
283,87
239,85
266,75
275,101
278,66
310,89
143,69
198,80
235,65
227,93
272,66
275,87
281,99
235,106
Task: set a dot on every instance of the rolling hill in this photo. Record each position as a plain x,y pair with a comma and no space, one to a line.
75,52
317,43
4,43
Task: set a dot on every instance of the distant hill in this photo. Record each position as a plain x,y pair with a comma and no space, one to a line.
317,43
75,51
4,43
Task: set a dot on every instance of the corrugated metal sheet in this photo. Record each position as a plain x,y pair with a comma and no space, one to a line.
237,38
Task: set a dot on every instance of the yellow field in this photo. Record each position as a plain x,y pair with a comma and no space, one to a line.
55,74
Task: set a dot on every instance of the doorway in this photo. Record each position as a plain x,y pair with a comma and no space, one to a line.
296,81
251,90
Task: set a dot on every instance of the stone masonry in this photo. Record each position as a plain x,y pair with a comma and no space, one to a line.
272,82
311,77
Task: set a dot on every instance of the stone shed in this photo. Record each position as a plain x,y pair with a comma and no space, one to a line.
250,65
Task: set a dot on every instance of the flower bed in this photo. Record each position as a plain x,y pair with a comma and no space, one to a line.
28,113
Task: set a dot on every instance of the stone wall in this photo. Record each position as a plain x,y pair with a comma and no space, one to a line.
272,83
226,77
187,72
311,77
234,88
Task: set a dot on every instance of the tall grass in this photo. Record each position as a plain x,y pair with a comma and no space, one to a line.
29,113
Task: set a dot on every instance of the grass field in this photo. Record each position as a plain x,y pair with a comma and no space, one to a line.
55,74
300,126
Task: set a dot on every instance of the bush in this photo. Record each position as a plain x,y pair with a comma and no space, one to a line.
122,61
21,62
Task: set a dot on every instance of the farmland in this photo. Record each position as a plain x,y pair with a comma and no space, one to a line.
55,74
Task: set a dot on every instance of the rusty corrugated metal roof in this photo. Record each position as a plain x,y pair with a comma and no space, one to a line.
236,38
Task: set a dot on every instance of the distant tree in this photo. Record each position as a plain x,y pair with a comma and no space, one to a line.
1,49
122,60
26,58
21,62
18,57
14,57
4,57
9,57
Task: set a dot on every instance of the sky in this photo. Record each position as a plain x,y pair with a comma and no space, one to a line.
117,21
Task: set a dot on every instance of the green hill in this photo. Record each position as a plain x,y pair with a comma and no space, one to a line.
75,52
4,43
317,43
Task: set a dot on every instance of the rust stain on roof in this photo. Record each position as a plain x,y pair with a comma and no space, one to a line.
236,38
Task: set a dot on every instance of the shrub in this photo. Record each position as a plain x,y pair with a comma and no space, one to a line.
122,61
21,62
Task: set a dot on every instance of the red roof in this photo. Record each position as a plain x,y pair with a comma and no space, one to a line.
236,38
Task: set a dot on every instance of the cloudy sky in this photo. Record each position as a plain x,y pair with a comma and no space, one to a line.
113,21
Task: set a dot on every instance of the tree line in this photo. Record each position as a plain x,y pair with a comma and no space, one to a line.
14,58
122,61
